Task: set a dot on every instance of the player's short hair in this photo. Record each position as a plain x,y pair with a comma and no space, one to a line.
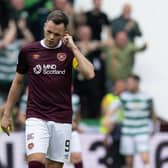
135,77
58,17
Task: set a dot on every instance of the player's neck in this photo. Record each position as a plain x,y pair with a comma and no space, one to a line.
135,91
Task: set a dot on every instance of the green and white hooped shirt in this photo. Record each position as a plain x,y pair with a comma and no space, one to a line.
137,109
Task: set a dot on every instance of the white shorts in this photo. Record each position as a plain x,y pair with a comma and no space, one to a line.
131,145
48,137
75,142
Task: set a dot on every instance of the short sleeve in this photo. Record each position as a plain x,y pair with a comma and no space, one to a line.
22,66
74,63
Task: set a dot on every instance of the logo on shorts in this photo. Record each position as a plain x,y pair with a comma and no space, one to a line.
30,145
37,69
61,57
30,136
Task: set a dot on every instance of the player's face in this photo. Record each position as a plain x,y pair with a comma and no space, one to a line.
53,33
132,85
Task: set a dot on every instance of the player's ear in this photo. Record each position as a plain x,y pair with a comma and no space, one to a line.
44,27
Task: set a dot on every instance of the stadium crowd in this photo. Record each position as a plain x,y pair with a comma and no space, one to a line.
108,43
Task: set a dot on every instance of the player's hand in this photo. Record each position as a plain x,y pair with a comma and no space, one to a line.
22,24
145,46
6,124
68,41
130,25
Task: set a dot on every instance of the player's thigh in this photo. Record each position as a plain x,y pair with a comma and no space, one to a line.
40,157
59,144
127,145
37,139
142,143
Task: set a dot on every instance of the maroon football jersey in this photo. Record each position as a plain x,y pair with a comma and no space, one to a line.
49,79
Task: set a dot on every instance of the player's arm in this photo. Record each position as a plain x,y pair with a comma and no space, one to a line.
9,36
139,48
28,36
153,117
85,67
107,118
13,97
110,115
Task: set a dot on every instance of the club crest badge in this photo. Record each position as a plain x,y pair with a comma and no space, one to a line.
30,146
61,57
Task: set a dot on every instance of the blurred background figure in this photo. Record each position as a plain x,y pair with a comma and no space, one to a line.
136,128
21,113
37,11
4,15
107,101
119,58
98,21
91,91
14,36
67,7
126,23
76,149
111,123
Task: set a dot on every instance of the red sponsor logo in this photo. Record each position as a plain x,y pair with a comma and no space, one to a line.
30,145
61,56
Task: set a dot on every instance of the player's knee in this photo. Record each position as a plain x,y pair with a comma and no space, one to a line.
145,158
36,164
53,164
129,161
76,157
37,157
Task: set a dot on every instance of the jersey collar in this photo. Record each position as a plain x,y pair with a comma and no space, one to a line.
58,46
